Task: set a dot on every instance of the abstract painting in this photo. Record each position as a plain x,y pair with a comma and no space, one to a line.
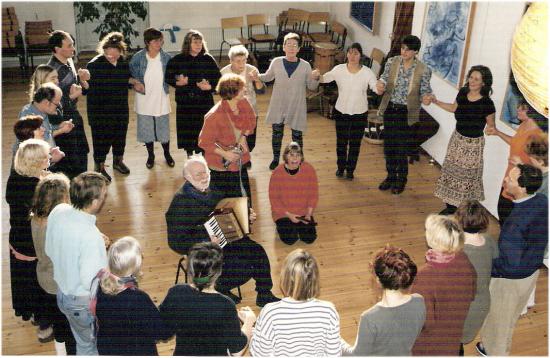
445,39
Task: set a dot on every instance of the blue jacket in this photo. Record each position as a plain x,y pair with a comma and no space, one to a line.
138,66
523,239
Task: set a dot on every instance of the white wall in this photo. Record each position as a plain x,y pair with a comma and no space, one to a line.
490,43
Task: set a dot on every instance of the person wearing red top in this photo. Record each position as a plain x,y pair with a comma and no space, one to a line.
448,284
223,137
293,193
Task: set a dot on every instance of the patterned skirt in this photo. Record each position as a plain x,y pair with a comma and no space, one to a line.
462,171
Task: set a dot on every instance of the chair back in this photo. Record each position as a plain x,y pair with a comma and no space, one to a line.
232,22
341,33
37,33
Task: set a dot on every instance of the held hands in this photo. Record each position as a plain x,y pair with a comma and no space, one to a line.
139,87
66,126
106,240
84,74
204,85
182,80
75,91
246,315
491,130
380,87
315,75
515,160
254,75
56,154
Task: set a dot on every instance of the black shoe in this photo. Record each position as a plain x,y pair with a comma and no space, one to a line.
413,158
340,173
398,188
265,297
233,297
480,349
169,160
119,166
100,168
273,164
189,153
349,175
150,162
461,350
386,184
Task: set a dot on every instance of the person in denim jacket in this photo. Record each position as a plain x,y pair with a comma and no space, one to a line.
152,104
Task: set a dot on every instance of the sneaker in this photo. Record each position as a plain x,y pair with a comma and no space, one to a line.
233,297
340,173
273,165
386,184
45,335
480,349
265,297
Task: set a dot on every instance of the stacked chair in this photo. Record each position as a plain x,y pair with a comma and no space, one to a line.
12,41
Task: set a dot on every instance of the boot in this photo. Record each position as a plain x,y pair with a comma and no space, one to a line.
100,168
169,160
119,165
151,155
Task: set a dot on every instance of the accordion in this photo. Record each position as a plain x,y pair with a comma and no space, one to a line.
229,221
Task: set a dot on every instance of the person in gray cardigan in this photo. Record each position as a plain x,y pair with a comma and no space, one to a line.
288,101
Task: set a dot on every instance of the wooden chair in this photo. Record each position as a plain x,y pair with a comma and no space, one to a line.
233,23
322,19
376,59
12,40
181,267
37,34
339,34
263,37
297,21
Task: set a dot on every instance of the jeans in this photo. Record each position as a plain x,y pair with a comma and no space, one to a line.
76,308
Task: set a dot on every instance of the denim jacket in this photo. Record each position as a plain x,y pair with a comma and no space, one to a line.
138,66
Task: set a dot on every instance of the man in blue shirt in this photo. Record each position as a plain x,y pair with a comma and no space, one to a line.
522,242
77,250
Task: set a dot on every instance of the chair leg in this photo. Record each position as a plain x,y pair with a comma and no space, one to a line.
239,292
181,267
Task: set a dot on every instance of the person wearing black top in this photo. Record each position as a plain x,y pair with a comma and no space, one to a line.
74,143
462,171
194,74
206,323
108,102
128,322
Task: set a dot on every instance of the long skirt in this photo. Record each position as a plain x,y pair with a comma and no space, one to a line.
462,171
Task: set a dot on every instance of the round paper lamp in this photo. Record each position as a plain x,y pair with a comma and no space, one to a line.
530,56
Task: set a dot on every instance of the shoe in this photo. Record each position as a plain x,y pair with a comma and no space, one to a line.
480,349
265,297
461,350
119,165
45,335
386,184
349,175
414,158
169,160
398,188
233,297
248,165
150,162
34,322
190,153
273,164
100,168
340,173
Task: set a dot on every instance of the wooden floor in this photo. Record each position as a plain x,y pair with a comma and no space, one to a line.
355,219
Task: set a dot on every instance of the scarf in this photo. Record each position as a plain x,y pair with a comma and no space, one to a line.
433,256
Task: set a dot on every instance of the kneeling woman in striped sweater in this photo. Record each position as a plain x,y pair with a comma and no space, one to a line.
299,324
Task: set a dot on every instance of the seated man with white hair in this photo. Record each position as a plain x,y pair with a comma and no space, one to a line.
190,209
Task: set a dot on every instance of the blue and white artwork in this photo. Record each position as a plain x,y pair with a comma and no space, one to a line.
444,38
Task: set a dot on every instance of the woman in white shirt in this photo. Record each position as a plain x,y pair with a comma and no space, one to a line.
353,79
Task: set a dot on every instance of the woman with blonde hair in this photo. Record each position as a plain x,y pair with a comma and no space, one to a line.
128,321
194,74
30,164
300,324
447,281
52,190
206,322
42,74
107,98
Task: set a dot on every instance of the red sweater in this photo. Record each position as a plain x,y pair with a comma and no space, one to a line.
293,193
217,128
448,289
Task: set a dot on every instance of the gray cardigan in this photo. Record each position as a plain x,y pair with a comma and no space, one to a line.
288,100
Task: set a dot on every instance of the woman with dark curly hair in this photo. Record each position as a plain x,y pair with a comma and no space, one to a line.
462,171
390,327
194,74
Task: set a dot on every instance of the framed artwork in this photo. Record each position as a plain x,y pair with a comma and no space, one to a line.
445,39
364,12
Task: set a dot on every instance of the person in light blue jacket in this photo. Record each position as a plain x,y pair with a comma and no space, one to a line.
152,104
